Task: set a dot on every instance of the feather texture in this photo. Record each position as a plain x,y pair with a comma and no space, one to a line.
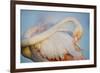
55,42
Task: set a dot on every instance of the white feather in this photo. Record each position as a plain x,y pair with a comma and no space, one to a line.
57,45
54,43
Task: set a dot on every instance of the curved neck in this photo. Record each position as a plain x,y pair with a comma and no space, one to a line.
51,31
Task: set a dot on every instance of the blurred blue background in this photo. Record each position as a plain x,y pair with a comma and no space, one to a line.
31,18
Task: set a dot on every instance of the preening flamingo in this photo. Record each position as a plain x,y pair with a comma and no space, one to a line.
54,44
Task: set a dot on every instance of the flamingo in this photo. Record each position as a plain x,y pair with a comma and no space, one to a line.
54,44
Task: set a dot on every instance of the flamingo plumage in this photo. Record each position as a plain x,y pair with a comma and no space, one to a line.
54,44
